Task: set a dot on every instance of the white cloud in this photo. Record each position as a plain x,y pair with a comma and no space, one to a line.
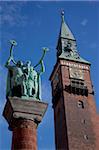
84,22
11,14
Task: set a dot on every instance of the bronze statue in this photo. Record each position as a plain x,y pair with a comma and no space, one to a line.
23,80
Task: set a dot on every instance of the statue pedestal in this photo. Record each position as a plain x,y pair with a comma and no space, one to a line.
23,117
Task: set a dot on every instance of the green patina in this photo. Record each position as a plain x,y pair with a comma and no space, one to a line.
65,32
67,46
24,80
80,59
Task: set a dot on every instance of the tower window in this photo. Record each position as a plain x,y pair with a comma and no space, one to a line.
83,121
80,104
86,137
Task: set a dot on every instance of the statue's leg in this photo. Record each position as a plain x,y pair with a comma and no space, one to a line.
39,88
24,89
35,87
30,91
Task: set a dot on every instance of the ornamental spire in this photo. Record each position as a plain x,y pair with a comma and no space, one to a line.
62,15
65,31
67,46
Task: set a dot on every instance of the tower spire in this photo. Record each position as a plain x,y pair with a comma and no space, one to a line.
65,32
62,15
67,46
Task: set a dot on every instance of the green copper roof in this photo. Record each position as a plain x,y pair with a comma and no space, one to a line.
80,59
65,31
67,46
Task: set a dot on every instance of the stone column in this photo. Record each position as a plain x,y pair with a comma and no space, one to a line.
23,117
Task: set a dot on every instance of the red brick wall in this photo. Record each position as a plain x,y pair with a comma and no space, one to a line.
24,135
75,128
95,120
80,122
60,126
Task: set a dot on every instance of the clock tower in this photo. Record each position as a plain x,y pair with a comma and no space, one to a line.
75,118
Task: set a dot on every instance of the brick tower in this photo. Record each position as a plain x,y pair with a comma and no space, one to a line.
75,118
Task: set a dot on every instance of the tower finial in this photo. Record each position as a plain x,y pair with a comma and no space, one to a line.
62,15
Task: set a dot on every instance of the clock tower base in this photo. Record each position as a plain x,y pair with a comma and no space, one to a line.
76,122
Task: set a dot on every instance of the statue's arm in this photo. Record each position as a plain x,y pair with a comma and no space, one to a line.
42,69
14,61
8,66
13,43
9,60
41,60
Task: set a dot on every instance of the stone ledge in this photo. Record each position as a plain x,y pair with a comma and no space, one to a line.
29,109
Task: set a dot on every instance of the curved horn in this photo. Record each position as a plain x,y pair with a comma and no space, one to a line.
45,49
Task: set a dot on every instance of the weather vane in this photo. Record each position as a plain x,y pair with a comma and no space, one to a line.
62,12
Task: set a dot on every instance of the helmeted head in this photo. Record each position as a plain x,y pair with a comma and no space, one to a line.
19,63
28,63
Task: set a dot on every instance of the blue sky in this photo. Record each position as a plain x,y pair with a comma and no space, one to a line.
35,25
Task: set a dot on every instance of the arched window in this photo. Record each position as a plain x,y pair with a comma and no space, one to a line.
86,137
80,104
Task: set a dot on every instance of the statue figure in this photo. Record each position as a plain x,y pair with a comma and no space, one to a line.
32,83
16,79
23,80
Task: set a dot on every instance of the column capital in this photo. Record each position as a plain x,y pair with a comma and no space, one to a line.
26,109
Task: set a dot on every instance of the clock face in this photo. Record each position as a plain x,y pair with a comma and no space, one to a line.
76,73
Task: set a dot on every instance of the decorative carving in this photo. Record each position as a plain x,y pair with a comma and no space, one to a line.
76,73
77,88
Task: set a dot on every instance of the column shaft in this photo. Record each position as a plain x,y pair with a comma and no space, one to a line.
24,135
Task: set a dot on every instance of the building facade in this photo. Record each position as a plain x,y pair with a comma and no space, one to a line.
75,118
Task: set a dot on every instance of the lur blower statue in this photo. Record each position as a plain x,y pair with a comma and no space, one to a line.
23,80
